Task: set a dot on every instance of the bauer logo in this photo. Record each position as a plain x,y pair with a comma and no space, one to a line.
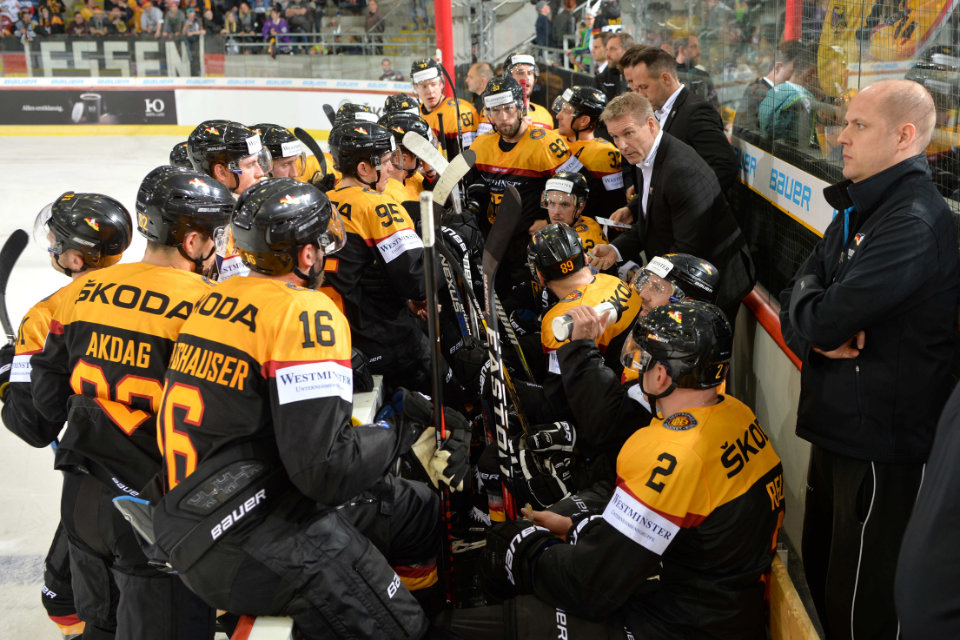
238,513
394,586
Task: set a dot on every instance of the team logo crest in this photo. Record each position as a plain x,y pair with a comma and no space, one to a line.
573,295
360,130
93,224
196,182
857,239
708,268
580,227
680,421
288,199
676,316
212,130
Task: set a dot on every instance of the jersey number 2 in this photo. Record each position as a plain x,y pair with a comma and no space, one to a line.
665,469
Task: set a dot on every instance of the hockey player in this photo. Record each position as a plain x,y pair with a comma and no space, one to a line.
83,232
229,152
399,123
401,102
523,68
180,156
101,371
578,112
234,155
565,198
521,155
441,113
380,270
689,506
307,530
289,160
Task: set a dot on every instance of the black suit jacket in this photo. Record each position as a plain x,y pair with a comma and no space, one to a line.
696,123
688,213
611,82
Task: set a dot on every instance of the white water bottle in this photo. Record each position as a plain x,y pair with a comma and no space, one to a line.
563,325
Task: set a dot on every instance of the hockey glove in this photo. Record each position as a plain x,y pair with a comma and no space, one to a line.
448,464
6,361
323,181
512,549
558,436
540,479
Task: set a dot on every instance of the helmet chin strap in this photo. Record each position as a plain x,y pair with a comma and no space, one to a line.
313,277
66,270
653,397
197,262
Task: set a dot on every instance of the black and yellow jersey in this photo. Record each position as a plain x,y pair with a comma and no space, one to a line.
590,232
107,350
601,166
699,499
447,111
526,164
603,288
406,191
540,116
19,414
312,166
378,270
285,368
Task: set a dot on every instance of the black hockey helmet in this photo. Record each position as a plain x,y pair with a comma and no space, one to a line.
401,102
555,252
281,143
95,225
276,217
515,60
180,156
173,201
692,339
425,69
691,277
400,122
586,101
503,90
223,142
354,111
567,182
363,142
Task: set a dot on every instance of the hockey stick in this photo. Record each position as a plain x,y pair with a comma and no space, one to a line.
508,217
456,106
330,113
311,144
421,147
9,255
428,230
453,174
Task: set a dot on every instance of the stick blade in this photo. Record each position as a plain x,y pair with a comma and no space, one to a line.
421,147
9,255
453,174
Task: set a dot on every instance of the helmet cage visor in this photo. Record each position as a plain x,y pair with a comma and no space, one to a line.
247,163
334,236
634,358
652,285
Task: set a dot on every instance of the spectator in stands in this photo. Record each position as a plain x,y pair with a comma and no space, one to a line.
173,20
87,10
211,22
871,314
419,11
151,20
788,111
77,26
580,54
193,25
9,13
374,25
277,30
118,26
246,19
564,23
598,53
261,10
691,74
543,26
746,123
24,28
99,24
388,72
49,24
299,17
